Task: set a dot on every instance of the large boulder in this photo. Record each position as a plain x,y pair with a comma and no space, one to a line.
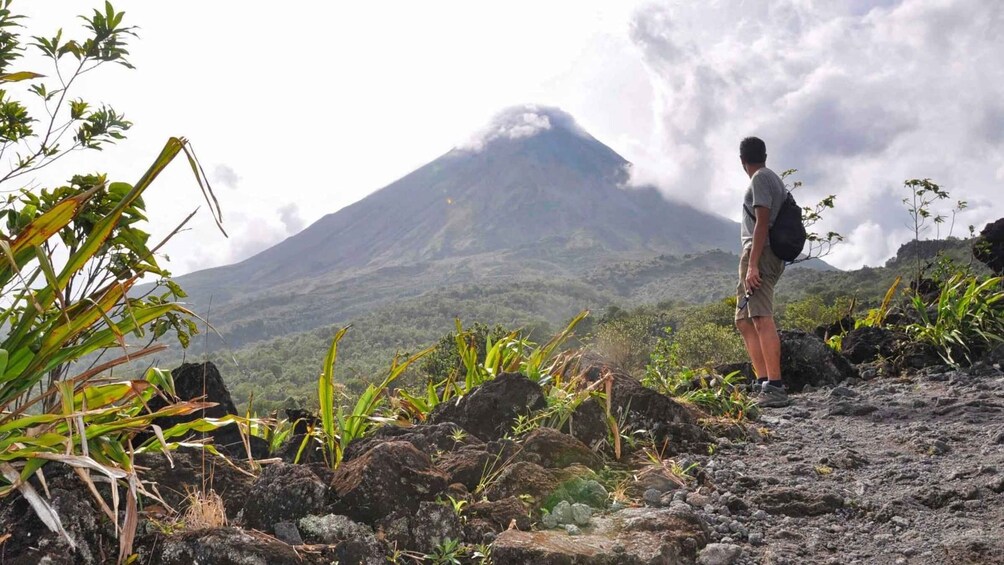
807,360
427,438
989,246
391,476
193,381
283,493
635,536
637,407
866,344
490,409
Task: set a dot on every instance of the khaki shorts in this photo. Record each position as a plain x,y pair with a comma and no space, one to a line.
762,301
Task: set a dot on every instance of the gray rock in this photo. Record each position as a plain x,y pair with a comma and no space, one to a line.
572,530
720,554
355,542
698,500
652,496
842,392
756,538
581,514
562,512
287,532
549,521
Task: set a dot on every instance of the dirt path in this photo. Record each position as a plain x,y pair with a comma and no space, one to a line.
885,471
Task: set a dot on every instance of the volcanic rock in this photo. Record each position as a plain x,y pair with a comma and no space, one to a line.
490,409
390,476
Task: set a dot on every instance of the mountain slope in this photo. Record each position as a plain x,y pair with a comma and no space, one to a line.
533,196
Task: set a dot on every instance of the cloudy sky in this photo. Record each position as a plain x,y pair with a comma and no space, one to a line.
300,108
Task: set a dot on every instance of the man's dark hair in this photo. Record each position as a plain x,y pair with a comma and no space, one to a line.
753,150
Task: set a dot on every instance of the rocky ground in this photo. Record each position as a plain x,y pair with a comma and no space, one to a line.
861,468
907,470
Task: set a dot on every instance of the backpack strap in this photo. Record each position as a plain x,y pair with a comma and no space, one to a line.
787,195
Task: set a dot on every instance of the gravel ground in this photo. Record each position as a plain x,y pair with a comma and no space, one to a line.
885,471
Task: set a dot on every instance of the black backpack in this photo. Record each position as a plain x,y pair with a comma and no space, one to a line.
787,235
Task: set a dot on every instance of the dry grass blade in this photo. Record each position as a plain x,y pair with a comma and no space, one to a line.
45,513
130,521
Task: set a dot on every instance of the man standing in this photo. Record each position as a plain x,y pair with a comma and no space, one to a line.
759,271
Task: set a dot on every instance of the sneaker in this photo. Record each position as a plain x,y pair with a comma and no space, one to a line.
771,396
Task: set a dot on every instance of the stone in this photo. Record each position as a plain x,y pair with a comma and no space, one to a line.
639,407
652,497
224,546
793,502
173,480
487,518
353,542
631,536
523,478
572,530
490,409
287,532
468,467
867,344
698,500
391,476
562,513
444,437
807,360
31,542
555,450
283,493
581,514
193,381
720,554
423,530
588,424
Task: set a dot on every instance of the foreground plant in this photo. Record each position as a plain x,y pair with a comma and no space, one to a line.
69,258
967,318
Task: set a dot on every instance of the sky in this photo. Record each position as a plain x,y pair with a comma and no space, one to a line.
297,109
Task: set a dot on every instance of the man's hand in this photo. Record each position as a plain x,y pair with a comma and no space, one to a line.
752,278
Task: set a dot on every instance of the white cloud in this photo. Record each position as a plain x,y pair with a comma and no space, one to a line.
518,122
225,175
858,98
289,215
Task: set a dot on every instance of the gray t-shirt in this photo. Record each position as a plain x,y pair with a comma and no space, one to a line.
766,189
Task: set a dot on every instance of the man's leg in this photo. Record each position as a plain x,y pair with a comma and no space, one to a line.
749,332
770,347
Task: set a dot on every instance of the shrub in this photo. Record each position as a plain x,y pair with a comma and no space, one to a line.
966,319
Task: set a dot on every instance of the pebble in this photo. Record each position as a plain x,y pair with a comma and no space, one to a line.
698,500
760,515
572,530
756,538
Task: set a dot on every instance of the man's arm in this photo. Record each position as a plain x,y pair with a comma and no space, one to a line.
761,230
